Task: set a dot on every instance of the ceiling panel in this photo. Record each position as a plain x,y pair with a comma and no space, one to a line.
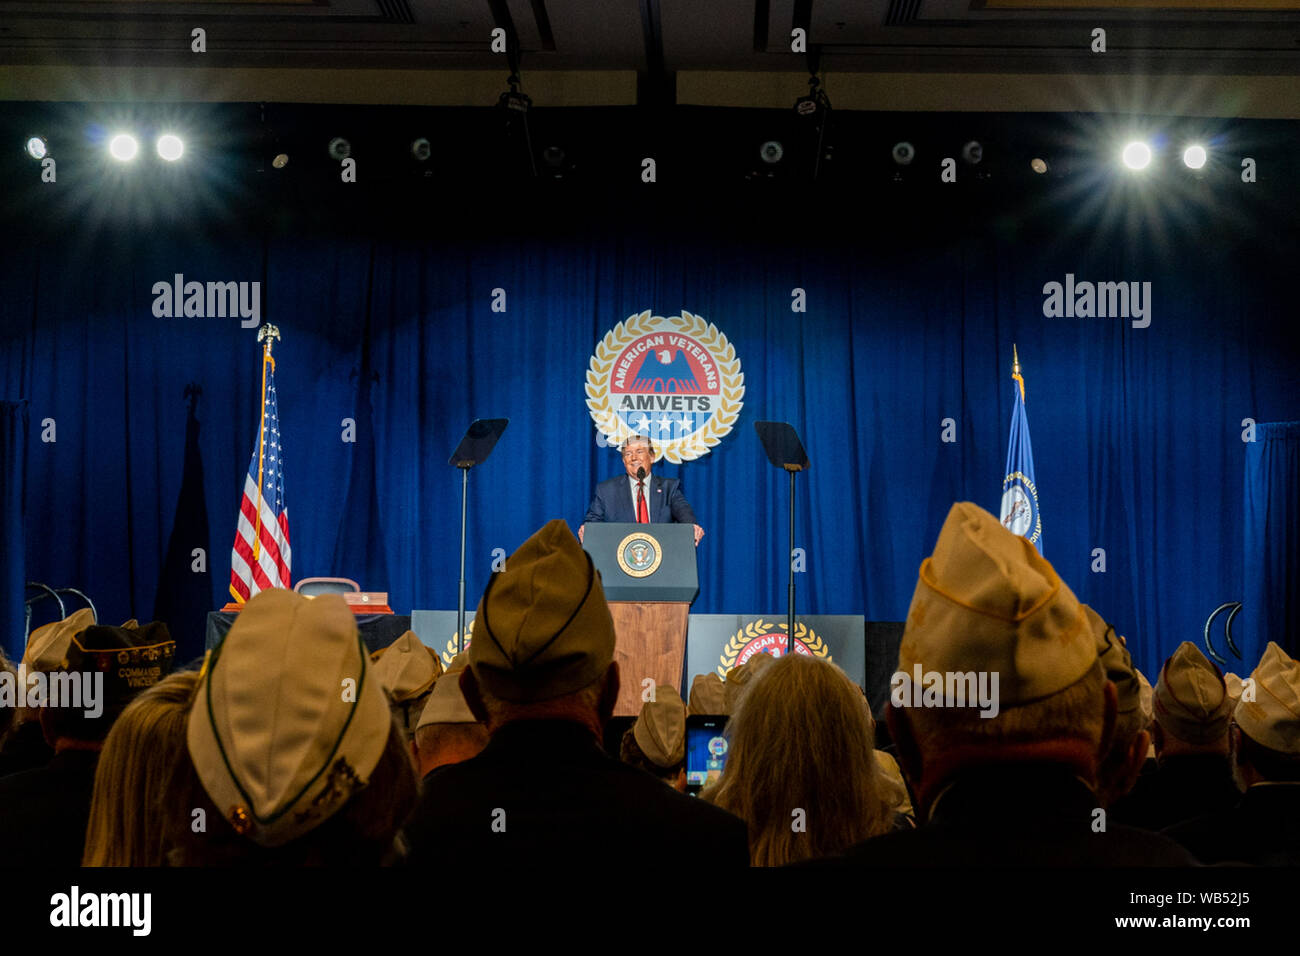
951,37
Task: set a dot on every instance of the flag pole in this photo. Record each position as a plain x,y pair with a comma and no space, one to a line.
266,335
1015,370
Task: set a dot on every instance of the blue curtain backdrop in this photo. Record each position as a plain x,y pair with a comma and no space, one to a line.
1136,432
13,455
1271,603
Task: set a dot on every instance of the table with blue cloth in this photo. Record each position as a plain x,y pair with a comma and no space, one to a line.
377,630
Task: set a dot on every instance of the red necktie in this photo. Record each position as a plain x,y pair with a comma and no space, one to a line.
642,516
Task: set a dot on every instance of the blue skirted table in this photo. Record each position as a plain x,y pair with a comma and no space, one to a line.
377,630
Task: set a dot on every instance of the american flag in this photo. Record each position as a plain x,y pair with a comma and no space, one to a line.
270,568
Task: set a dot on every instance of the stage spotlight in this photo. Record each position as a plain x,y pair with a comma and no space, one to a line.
281,160
37,148
1137,155
123,147
972,152
421,149
340,149
170,147
1194,156
771,152
904,153
556,162
514,100
816,104
1038,165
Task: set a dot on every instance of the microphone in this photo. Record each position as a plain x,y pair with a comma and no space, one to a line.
640,474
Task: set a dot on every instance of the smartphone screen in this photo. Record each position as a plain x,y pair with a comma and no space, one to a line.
706,750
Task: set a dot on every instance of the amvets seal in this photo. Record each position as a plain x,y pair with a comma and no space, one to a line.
676,380
769,637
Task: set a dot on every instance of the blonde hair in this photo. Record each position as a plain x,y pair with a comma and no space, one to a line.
134,773
802,738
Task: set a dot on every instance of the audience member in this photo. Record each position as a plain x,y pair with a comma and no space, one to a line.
447,732
1008,778
1145,698
44,811
136,771
296,759
407,669
47,650
656,742
1265,742
739,678
1194,775
708,696
896,784
8,710
801,767
1127,754
542,677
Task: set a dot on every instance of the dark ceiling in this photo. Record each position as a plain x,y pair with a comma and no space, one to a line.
668,49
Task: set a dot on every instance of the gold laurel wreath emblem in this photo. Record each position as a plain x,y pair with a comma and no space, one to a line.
450,653
760,628
731,391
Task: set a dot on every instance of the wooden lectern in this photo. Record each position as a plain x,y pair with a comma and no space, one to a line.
649,576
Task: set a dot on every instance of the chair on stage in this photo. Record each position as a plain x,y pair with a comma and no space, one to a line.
311,587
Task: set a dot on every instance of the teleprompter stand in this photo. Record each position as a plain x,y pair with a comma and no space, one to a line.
784,450
480,438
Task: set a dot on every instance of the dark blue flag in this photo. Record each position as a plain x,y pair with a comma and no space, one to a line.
1019,491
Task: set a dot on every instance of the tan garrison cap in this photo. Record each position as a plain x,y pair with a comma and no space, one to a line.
739,678
893,775
446,703
708,696
289,720
1233,683
986,600
660,728
543,628
1117,663
758,664
406,667
1272,719
1191,700
1146,694
47,646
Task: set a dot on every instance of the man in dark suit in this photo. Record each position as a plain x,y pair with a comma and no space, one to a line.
647,499
542,677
